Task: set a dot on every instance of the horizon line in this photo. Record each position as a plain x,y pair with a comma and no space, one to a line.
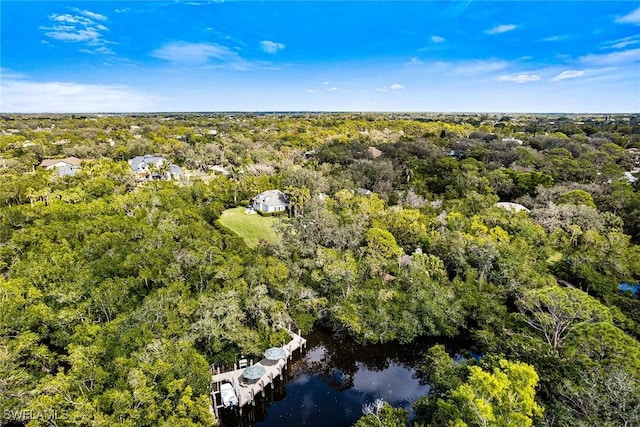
3,113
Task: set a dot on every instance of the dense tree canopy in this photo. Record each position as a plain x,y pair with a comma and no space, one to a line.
116,295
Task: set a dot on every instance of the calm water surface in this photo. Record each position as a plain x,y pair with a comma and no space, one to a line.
329,383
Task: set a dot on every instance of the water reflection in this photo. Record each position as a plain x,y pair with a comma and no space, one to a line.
328,385
396,384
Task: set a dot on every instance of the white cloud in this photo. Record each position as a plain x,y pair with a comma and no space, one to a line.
393,87
325,90
614,58
568,74
66,18
414,61
209,55
93,15
437,39
100,49
271,47
25,96
502,29
79,28
624,42
630,18
554,38
195,53
71,34
10,75
478,67
520,78
462,67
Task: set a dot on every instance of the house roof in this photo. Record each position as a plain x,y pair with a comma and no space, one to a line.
272,198
68,160
512,206
68,170
141,163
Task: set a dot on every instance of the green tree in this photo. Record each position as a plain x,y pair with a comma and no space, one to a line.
555,312
577,197
381,250
298,198
502,398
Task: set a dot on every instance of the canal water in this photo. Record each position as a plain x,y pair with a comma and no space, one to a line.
328,384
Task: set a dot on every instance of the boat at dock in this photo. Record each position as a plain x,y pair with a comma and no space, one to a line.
245,383
228,395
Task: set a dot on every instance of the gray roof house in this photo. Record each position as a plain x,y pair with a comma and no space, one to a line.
271,201
154,167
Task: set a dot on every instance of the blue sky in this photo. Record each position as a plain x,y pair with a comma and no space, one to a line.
449,56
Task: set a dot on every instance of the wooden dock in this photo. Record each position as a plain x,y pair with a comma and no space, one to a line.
246,390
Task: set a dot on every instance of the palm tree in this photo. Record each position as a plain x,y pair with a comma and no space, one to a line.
298,197
163,169
235,173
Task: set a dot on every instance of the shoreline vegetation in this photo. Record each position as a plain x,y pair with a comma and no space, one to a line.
120,288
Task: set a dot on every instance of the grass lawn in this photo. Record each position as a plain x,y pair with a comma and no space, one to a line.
251,228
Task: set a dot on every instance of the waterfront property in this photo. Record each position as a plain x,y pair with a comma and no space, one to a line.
249,381
331,381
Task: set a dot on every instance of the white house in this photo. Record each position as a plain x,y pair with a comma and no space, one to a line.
154,167
271,201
